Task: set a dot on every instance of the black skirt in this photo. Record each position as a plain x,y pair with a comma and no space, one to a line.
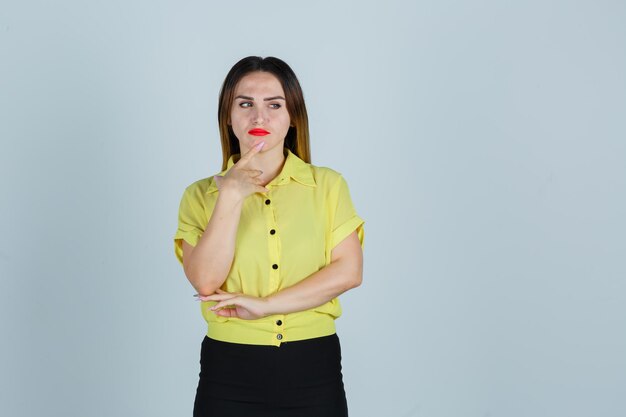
300,378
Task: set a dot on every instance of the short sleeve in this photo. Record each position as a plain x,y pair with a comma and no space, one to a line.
191,220
345,218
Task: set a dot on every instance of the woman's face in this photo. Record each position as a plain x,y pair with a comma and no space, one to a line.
259,104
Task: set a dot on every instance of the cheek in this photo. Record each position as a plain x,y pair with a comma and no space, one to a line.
238,127
235,117
285,120
238,123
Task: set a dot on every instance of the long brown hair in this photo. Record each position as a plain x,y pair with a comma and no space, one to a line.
297,138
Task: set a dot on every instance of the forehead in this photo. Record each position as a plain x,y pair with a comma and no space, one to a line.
259,84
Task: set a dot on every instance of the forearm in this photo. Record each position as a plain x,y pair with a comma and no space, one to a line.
213,255
316,289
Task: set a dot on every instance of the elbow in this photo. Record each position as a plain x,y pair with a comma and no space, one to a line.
356,280
207,285
354,276
204,284
357,274
206,288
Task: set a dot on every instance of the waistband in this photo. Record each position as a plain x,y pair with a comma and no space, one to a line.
271,330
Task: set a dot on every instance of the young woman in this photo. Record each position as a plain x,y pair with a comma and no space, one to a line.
269,243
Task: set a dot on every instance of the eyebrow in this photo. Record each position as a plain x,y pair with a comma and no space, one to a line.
265,99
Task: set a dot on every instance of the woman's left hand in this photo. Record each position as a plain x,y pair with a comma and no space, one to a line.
237,305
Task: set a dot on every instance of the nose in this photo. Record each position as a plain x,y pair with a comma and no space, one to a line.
259,116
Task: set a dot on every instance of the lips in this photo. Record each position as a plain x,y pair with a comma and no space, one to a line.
258,132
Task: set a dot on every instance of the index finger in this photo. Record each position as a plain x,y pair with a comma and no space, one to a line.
248,155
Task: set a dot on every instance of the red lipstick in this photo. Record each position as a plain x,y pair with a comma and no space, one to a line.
258,132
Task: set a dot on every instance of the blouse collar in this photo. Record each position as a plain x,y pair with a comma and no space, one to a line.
293,168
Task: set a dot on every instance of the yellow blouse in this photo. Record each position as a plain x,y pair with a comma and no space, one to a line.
284,235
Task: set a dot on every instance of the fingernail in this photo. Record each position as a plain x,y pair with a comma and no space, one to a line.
259,145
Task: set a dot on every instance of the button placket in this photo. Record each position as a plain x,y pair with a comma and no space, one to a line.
274,248
273,244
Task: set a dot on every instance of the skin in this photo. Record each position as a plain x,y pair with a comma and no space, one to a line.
259,112
257,167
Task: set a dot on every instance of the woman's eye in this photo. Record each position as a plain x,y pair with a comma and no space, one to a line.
245,104
277,106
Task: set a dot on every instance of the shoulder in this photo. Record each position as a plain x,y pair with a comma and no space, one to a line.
325,176
331,181
199,188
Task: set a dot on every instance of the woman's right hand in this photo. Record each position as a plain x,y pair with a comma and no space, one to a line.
240,181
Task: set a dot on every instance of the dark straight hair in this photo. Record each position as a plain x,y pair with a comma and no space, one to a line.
297,138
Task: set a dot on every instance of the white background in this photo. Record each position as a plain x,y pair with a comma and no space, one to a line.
484,145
